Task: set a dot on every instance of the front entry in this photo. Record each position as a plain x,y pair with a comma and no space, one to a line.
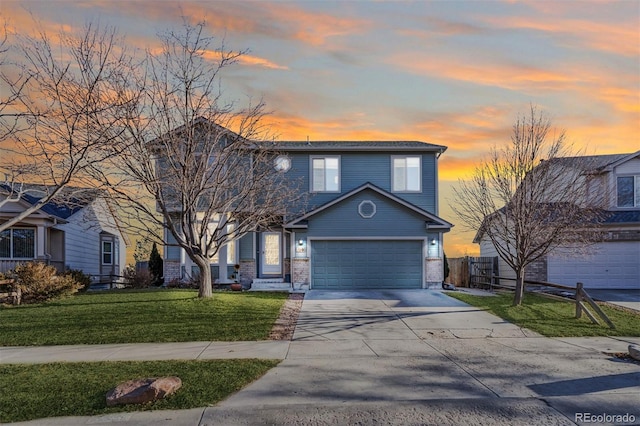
271,254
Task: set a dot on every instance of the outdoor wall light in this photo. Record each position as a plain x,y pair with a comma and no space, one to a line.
300,242
433,242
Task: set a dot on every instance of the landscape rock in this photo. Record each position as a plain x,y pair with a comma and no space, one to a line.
634,352
141,391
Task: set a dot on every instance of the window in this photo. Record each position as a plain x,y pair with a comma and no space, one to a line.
107,253
18,243
326,174
406,174
628,191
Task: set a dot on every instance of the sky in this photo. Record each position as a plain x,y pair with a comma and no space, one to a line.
454,73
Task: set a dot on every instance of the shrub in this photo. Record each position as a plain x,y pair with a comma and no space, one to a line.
156,266
39,282
81,278
140,278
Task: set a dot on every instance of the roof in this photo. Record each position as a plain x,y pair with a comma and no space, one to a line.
359,146
596,163
72,199
622,217
434,221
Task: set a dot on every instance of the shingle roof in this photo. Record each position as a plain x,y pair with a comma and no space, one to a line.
71,201
595,163
359,145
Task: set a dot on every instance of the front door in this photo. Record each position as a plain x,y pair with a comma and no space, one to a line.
271,256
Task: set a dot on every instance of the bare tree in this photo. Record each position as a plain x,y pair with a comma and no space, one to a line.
57,112
531,197
195,167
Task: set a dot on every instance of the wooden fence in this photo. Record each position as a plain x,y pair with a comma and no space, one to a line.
578,292
11,292
472,271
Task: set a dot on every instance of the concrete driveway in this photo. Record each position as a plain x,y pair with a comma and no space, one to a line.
365,356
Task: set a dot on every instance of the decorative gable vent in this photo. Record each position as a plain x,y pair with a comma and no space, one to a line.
367,209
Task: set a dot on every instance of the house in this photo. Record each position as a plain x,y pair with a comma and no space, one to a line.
613,262
82,233
370,221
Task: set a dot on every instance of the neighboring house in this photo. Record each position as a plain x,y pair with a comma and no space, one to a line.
81,234
370,221
613,262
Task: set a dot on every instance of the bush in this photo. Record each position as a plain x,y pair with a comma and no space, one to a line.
81,278
140,278
156,266
39,282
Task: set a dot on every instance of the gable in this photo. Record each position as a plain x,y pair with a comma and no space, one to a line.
369,211
367,214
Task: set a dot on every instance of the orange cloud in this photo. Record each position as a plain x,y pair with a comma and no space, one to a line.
620,38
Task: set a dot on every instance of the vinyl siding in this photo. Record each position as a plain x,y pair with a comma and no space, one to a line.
358,168
82,238
390,219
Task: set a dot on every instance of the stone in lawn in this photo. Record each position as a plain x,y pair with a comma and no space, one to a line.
141,391
634,351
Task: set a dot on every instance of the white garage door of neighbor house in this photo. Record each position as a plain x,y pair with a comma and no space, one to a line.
612,265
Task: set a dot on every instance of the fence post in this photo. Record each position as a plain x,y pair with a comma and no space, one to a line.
579,300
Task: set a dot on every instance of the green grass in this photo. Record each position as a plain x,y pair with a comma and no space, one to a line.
553,318
79,389
129,316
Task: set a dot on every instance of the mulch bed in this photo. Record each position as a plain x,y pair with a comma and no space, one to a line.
286,323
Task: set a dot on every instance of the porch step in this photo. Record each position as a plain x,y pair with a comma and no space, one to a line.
270,284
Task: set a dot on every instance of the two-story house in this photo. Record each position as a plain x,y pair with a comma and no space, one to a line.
614,261
370,221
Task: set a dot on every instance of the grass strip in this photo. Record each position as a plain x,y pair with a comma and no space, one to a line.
141,316
553,318
79,389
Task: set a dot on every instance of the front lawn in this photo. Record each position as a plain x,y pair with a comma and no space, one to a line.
79,389
553,318
139,316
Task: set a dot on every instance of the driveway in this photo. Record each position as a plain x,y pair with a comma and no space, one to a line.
380,353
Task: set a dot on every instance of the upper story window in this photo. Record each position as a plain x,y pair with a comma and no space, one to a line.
628,191
406,174
18,243
325,176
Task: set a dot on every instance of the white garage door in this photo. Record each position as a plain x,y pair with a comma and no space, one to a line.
612,265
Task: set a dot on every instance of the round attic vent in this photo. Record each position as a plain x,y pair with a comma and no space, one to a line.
367,209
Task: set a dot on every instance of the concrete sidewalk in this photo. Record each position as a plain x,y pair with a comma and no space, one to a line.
394,358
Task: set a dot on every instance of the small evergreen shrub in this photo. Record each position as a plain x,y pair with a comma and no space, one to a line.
39,282
156,266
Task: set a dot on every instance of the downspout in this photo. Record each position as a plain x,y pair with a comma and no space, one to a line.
291,252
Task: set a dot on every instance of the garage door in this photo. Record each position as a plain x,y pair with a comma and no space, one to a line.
613,265
341,265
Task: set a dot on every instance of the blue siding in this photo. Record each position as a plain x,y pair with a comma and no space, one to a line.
390,219
358,168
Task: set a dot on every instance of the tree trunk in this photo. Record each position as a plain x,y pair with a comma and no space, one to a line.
517,298
206,288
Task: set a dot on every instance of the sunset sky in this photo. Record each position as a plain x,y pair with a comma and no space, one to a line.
454,73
